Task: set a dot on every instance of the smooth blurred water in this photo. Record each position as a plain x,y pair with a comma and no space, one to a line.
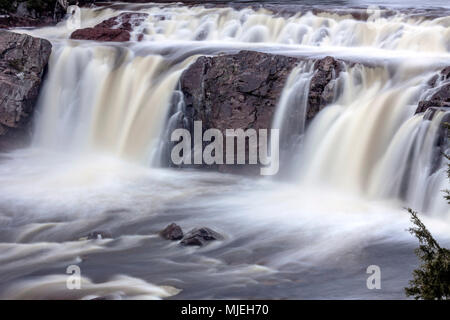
311,235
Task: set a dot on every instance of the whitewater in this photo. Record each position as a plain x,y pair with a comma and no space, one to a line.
337,206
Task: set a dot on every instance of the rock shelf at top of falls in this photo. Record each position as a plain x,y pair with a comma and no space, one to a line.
23,60
118,28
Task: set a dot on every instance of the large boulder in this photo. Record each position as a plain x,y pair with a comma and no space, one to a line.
235,91
23,60
116,29
242,90
172,232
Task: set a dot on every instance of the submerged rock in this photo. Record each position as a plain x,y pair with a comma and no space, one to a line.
172,232
200,237
94,235
116,29
23,60
321,89
234,91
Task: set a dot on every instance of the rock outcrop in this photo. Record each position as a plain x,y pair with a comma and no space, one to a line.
101,34
440,92
30,13
23,60
242,90
200,237
99,235
321,89
172,232
116,29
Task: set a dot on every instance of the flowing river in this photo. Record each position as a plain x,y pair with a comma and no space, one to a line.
337,206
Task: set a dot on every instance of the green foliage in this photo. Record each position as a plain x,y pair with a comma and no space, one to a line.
431,281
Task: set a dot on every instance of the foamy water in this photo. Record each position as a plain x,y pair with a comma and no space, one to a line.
312,234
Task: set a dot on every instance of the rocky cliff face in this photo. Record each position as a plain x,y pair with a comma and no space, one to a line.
242,91
22,64
31,13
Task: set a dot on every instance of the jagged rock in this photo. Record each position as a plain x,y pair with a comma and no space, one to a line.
321,87
27,13
242,90
114,29
200,237
101,34
22,64
172,232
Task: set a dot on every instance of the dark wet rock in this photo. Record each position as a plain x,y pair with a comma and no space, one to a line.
440,97
321,89
114,29
234,91
242,90
23,60
200,237
94,235
101,34
31,13
172,232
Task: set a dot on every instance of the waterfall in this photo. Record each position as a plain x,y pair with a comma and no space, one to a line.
369,141
105,98
114,99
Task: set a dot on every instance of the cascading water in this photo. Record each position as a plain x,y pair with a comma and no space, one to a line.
370,142
347,174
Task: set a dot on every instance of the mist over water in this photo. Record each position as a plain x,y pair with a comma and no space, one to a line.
336,207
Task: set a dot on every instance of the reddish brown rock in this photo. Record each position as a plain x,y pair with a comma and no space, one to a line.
441,97
101,34
125,21
242,90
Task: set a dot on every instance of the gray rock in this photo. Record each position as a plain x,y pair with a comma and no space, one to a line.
441,97
23,60
94,235
200,237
